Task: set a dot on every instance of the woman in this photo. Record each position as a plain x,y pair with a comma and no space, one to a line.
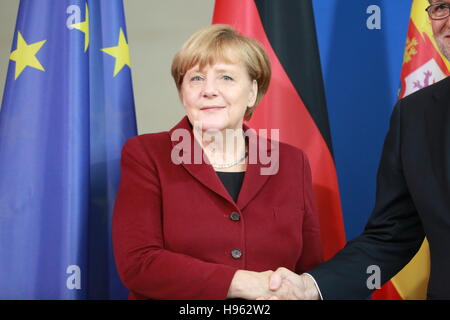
197,217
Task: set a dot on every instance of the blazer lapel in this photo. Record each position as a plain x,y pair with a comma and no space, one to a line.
255,176
201,171
438,128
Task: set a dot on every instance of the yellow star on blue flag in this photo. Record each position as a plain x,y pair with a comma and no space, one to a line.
120,52
84,27
25,55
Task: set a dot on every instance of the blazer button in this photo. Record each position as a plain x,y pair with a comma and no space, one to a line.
236,253
235,216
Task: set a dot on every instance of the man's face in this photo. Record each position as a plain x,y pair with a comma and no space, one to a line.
441,31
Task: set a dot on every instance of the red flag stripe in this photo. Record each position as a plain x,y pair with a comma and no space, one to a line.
387,292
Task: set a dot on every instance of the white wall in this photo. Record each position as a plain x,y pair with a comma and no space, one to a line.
8,14
156,30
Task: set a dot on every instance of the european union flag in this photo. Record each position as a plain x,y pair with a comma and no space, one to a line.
67,110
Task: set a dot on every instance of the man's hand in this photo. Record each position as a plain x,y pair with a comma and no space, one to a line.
287,285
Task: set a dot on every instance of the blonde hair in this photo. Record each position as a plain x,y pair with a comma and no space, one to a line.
222,42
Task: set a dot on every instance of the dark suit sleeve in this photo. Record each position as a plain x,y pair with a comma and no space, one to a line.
144,265
391,237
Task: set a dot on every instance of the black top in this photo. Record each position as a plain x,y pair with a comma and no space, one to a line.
232,182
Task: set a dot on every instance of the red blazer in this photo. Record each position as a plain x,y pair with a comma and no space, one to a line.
173,232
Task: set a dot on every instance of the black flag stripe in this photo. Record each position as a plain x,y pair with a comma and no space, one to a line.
290,28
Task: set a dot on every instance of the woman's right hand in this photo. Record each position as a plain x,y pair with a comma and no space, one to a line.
250,285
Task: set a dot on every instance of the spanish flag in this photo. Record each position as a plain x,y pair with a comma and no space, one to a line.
422,65
295,102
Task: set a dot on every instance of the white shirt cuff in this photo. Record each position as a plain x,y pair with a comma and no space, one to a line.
315,283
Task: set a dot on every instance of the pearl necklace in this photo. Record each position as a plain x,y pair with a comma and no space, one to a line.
231,164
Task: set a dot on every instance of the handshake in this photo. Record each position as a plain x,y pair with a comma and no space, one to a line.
281,284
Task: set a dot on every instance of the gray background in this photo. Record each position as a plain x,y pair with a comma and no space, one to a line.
156,30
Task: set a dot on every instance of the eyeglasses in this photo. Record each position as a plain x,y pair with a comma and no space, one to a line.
438,11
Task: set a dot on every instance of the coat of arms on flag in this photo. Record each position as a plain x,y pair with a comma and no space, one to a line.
422,63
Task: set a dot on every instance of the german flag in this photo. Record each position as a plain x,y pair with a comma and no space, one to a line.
295,102
423,65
